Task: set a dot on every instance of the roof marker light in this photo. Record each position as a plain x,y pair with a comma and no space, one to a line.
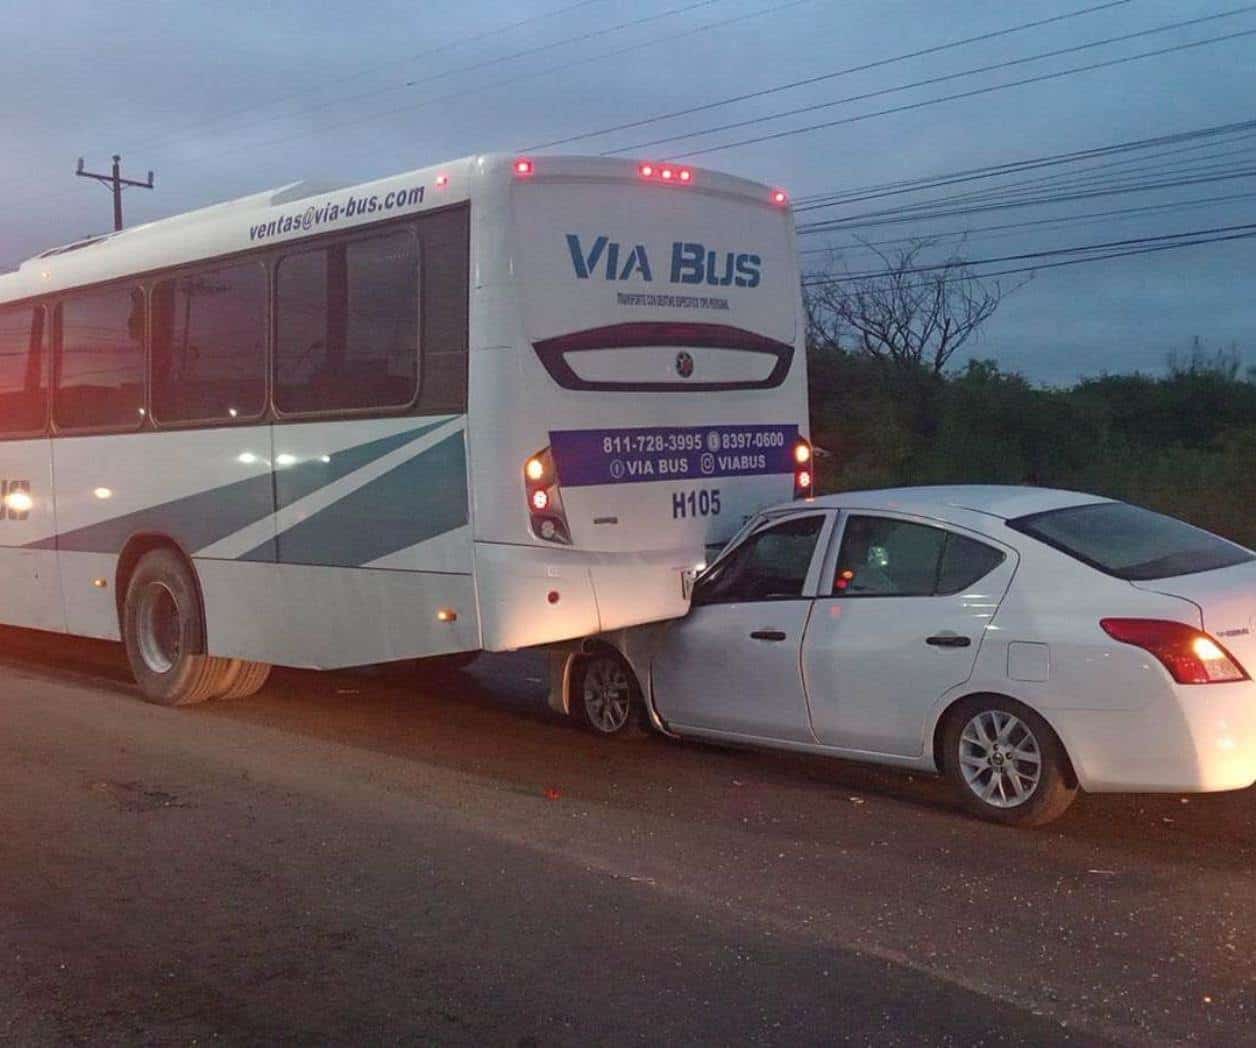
685,174
442,181
523,166
646,170
779,196
667,174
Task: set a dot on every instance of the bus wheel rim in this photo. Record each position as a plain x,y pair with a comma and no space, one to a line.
607,695
159,632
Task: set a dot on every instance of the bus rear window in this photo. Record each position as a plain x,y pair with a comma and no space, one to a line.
1131,543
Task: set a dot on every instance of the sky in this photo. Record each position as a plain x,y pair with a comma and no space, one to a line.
230,98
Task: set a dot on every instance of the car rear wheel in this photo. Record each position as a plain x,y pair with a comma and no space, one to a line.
162,627
605,697
1006,763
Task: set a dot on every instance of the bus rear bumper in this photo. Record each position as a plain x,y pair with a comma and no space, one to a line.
531,595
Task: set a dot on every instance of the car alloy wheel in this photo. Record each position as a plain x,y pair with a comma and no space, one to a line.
1000,758
606,694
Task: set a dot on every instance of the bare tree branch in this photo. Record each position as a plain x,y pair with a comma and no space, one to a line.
905,313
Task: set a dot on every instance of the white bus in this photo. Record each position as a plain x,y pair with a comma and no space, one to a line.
485,405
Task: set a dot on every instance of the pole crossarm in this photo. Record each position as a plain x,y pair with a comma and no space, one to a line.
116,183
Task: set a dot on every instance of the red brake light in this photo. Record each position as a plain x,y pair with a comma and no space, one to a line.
1190,656
545,498
804,478
523,167
780,197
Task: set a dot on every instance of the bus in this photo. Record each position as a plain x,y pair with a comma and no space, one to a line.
486,405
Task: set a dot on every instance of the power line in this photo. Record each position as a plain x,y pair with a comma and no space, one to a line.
897,218
1113,213
974,93
1249,228
495,61
719,103
1081,261
1133,179
375,67
561,67
933,80
876,191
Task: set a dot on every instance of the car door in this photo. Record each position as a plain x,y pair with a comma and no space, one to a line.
899,623
732,664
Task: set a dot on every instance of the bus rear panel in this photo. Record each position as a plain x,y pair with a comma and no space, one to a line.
638,388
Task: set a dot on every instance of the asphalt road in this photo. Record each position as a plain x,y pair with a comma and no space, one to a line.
384,858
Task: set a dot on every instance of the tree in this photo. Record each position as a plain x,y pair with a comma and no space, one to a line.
913,315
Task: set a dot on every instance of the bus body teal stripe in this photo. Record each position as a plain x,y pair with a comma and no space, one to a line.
305,478
421,498
193,522
199,520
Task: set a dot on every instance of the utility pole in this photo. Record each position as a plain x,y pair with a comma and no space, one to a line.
117,183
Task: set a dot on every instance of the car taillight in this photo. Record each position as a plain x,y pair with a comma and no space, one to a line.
1190,656
804,474
545,503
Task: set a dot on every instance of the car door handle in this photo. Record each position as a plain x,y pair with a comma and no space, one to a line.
948,640
767,634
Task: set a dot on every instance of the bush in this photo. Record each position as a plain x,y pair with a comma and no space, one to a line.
1183,444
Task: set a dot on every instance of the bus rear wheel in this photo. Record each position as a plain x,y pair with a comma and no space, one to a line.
244,678
162,627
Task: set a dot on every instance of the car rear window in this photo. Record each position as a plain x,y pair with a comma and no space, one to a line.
1131,543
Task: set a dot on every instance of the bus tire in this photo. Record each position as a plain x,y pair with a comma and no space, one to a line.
605,697
245,678
162,626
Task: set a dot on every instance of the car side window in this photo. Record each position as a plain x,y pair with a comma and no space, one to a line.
965,562
884,557
771,564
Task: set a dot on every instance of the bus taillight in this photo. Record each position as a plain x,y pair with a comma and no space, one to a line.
545,503
666,173
804,474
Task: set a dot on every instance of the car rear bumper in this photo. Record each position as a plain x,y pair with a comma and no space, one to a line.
1192,739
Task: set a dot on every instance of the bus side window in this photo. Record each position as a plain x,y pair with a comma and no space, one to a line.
209,345
347,322
23,371
99,337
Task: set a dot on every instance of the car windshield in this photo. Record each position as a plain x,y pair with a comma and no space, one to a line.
1131,543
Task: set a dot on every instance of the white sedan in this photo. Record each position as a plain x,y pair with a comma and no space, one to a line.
1022,641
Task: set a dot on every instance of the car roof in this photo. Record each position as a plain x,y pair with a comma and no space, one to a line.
942,502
